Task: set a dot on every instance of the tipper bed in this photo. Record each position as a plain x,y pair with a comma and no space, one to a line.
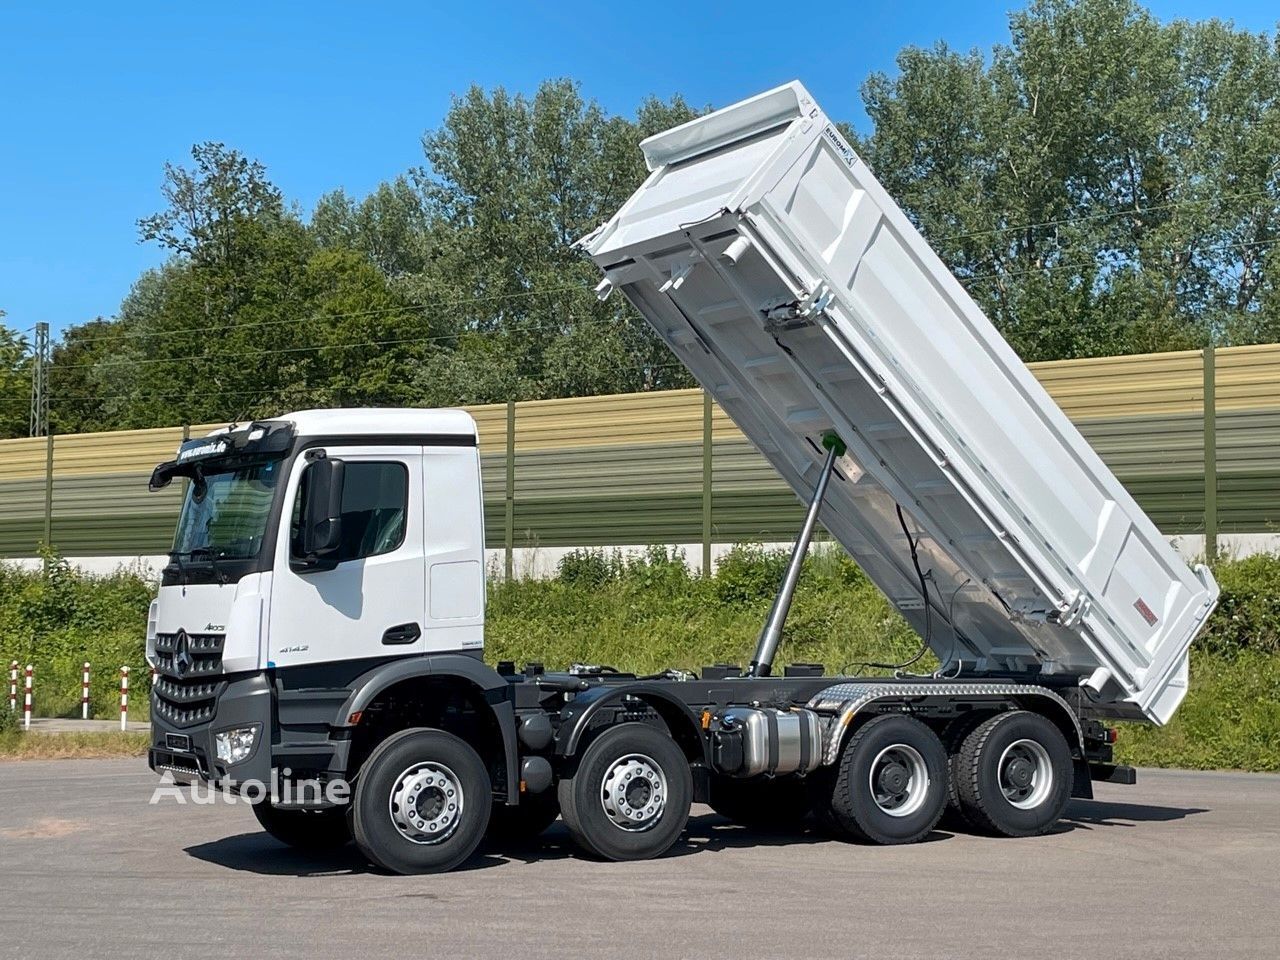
765,253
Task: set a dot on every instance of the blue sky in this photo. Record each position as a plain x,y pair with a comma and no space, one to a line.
96,97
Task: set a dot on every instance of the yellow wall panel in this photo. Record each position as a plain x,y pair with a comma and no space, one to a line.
22,459
1247,378
1141,385
670,416
120,451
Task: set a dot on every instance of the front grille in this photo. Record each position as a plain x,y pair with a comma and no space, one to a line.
184,717
187,686
204,649
184,692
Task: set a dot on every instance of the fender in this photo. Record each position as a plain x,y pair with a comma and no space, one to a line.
844,700
497,694
577,715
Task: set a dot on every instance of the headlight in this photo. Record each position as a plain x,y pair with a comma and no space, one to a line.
234,746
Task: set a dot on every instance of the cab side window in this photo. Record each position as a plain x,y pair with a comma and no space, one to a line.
375,508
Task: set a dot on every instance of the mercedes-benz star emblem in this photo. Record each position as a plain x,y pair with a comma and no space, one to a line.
182,661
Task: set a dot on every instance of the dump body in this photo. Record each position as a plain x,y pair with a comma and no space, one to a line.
764,252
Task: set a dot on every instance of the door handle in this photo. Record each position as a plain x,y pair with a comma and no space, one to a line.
404,633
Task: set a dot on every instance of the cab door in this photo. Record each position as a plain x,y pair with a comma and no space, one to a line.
372,603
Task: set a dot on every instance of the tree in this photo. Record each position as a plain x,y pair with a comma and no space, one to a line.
209,204
79,399
388,226
15,382
1102,183
512,182
251,315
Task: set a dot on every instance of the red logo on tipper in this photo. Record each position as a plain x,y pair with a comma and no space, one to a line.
1141,606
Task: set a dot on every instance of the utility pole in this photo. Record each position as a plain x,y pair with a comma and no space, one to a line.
40,383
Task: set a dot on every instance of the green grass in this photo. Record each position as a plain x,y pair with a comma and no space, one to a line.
16,745
1230,719
58,618
653,615
645,614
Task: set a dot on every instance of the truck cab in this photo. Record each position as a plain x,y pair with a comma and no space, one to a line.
310,549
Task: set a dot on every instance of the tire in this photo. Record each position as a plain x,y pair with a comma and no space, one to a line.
953,737
421,802
309,830
992,793
762,804
536,812
627,768
892,783
821,785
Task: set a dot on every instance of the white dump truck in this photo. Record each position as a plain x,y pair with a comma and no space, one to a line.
321,620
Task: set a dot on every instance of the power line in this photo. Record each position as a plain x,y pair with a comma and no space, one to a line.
405,308
1048,268
307,392
414,308
350,345
1083,218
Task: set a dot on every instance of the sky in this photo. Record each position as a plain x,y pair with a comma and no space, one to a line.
95,98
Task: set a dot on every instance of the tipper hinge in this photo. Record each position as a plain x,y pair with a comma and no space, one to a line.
679,273
1071,609
1067,612
798,313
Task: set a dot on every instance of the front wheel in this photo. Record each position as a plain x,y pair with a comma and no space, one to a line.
310,830
630,795
421,803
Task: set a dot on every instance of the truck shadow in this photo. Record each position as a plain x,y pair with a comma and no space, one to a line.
259,853
706,833
1087,814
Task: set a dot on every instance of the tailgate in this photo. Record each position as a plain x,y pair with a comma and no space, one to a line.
767,256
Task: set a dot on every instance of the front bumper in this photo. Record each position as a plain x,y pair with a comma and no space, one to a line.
188,752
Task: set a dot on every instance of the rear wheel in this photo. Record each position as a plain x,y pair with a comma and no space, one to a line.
305,829
761,803
953,737
629,797
891,786
1014,774
421,803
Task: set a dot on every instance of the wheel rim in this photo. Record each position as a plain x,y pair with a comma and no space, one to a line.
633,792
426,803
899,780
1026,774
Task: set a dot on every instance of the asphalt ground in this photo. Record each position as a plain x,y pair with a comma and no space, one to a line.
1181,865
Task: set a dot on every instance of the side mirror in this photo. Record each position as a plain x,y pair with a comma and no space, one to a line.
322,513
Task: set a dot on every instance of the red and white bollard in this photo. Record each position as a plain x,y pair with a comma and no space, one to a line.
13,686
26,703
124,697
84,694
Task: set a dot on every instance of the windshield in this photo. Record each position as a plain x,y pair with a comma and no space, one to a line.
225,517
